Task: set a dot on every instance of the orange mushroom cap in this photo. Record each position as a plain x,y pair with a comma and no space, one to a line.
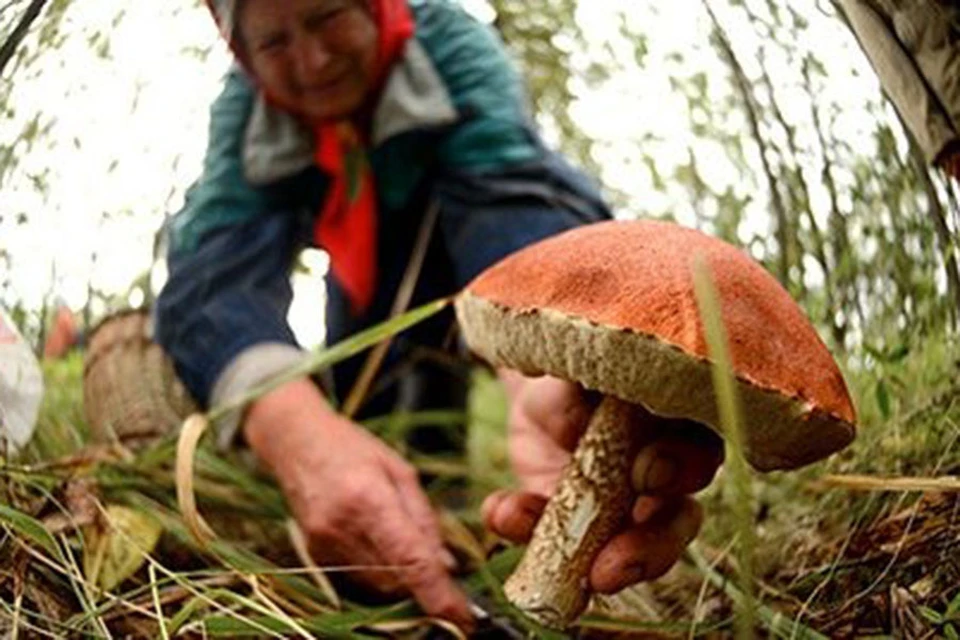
612,306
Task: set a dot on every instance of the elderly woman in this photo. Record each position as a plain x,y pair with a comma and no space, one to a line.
349,125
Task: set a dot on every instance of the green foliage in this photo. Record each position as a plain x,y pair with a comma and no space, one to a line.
324,358
544,36
855,227
946,622
61,426
486,433
115,551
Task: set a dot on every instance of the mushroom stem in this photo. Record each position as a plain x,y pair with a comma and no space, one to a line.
551,583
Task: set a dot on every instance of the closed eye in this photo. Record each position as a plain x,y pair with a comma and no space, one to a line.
272,42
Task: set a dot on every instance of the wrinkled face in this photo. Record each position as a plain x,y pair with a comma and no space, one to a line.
315,57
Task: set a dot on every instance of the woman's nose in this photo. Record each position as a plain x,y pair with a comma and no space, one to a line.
311,57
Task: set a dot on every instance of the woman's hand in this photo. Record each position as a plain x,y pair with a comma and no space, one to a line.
358,503
547,418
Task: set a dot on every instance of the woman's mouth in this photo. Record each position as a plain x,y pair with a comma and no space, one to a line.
325,87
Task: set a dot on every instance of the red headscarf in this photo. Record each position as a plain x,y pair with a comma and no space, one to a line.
347,224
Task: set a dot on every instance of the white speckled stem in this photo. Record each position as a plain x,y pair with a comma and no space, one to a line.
551,582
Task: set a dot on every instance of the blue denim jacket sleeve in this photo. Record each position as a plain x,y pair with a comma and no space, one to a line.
231,293
231,250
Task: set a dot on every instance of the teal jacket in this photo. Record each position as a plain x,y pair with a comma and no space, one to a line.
451,127
455,99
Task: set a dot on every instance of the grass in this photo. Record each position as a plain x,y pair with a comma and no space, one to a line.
826,561
739,496
60,527
831,557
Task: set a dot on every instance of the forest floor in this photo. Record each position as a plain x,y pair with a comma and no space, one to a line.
92,543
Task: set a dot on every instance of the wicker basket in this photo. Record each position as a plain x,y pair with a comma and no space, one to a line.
131,392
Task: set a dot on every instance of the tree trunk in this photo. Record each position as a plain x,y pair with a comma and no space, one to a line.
9,47
944,236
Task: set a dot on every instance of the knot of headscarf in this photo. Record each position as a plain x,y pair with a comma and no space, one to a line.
347,224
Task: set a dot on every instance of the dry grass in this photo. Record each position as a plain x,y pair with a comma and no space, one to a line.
827,560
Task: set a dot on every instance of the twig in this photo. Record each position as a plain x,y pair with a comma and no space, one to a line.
900,544
401,302
743,85
167,596
877,483
32,627
299,543
192,431
18,604
275,608
702,593
886,570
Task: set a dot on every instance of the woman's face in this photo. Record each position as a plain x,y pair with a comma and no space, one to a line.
314,57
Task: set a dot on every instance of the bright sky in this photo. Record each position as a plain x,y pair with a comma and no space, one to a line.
130,131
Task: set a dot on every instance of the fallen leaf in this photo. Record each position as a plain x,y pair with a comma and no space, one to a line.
117,548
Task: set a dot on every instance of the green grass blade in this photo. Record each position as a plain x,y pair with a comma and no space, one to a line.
85,594
232,556
265,494
615,625
228,627
778,624
185,613
155,594
396,425
325,358
31,529
29,621
728,405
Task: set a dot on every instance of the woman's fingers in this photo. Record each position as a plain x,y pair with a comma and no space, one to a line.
557,407
646,551
676,458
419,566
646,507
513,514
677,463
359,563
415,502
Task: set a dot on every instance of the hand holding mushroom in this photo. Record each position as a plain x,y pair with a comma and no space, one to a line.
611,307
547,418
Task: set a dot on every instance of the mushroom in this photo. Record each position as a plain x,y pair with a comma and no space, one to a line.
611,306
